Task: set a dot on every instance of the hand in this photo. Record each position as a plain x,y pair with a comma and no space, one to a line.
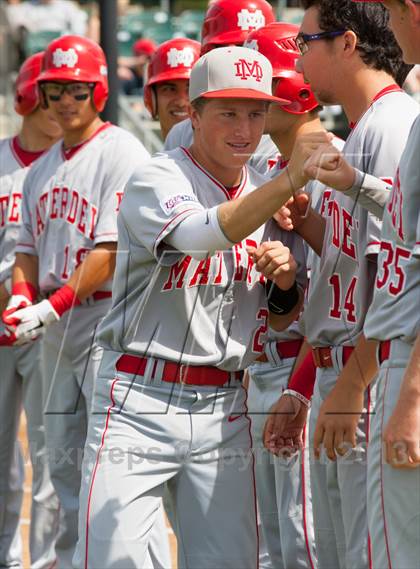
283,431
337,422
305,145
7,339
402,435
275,261
124,73
29,321
329,166
16,302
294,212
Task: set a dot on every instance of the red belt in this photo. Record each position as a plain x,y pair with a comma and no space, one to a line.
323,356
285,350
384,350
101,294
180,373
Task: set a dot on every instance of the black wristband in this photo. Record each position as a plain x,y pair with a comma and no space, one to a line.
281,301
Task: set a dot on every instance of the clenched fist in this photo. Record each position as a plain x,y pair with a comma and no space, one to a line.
275,261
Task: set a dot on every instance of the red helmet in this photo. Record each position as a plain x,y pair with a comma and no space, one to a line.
144,46
26,90
277,43
172,60
75,58
228,22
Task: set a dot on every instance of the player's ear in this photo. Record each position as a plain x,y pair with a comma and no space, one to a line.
195,117
349,40
196,110
414,9
43,101
155,105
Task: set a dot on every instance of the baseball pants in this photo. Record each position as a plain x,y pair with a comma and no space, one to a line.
71,361
393,494
21,384
144,433
283,489
339,488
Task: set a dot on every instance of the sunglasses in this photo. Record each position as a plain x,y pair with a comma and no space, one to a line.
302,40
78,90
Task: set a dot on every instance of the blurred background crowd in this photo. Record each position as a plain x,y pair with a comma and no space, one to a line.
27,27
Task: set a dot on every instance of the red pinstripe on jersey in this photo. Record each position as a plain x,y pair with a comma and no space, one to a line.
95,469
386,378
304,505
254,484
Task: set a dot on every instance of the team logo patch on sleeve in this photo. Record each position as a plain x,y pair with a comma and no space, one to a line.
171,203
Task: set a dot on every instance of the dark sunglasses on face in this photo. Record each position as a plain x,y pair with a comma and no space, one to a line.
302,40
78,90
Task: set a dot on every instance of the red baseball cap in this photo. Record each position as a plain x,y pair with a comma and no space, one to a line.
381,1
144,46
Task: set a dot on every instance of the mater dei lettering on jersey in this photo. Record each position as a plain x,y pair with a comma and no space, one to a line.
63,203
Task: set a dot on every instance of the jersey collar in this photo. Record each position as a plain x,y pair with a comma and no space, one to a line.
68,153
23,157
393,88
230,193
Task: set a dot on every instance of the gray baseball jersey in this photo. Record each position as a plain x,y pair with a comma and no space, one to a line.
394,311
342,292
393,498
70,203
263,159
335,315
21,384
320,196
217,306
14,167
68,208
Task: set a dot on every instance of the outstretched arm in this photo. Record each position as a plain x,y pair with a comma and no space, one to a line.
328,165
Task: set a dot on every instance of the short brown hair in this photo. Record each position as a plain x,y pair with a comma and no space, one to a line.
199,104
376,43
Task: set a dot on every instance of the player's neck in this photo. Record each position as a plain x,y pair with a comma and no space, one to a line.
286,140
367,83
77,136
164,131
33,139
227,176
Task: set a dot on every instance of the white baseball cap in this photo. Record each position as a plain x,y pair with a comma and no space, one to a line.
233,72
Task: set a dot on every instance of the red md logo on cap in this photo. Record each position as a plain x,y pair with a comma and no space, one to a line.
246,69
250,20
66,57
177,57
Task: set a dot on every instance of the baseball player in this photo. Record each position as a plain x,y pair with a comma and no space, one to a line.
131,69
189,313
66,253
21,379
166,89
393,323
283,490
228,22
381,116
